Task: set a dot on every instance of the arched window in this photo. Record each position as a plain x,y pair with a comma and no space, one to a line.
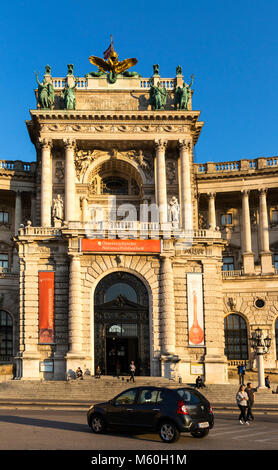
120,288
276,337
114,185
6,336
236,340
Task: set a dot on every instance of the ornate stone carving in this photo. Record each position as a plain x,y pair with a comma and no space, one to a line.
171,171
59,171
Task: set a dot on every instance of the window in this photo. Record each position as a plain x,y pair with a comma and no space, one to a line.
226,219
120,288
114,185
4,217
188,397
6,336
147,396
4,262
126,398
275,261
274,216
228,263
236,341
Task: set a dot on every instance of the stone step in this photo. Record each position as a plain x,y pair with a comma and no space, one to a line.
105,388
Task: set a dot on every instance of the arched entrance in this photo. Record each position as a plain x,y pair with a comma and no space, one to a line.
122,324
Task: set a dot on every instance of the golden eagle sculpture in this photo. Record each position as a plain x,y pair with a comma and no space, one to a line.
112,66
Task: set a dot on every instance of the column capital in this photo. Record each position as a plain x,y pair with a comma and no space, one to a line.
263,191
69,143
211,195
245,192
184,144
45,143
160,144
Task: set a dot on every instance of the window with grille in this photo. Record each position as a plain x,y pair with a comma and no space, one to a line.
6,336
228,263
226,219
4,262
4,217
236,339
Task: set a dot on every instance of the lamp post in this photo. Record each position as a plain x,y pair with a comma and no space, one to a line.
261,346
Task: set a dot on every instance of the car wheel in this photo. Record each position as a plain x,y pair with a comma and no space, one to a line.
200,433
168,432
97,424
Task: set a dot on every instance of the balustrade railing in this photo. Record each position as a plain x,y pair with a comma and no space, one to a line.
234,166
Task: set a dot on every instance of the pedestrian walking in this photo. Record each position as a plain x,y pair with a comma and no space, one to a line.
251,398
242,400
132,369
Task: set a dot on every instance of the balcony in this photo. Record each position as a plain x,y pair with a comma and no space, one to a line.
120,229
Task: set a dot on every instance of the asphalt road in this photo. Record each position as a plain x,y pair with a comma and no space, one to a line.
68,430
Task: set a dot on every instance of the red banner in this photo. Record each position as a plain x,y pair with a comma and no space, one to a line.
117,245
46,307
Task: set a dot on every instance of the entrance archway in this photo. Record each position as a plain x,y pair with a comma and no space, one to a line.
121,309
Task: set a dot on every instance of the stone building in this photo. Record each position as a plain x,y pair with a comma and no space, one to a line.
116,246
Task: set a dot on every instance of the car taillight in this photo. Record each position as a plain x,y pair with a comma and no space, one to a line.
182,410
210,409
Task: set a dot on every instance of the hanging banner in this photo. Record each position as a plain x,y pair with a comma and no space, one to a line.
118,245
195,309
46,307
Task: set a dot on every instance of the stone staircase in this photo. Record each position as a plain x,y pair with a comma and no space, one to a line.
93,390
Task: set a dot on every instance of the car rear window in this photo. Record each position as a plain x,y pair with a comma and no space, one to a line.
187,396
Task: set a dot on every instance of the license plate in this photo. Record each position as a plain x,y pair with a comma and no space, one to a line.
203,425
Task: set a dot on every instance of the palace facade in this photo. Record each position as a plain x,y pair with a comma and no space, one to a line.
116,246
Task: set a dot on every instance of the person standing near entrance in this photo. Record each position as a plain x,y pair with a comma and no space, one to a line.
251,398
132,369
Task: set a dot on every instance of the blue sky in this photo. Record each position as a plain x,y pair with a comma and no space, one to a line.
231,47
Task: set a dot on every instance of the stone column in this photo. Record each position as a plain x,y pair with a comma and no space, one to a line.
18,212
33,209
74,355
185,184
266,257
211,211
167,317
248,255
46,182
70,201
29,318
160,181
84,203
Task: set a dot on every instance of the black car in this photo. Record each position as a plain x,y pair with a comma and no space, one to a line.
168,411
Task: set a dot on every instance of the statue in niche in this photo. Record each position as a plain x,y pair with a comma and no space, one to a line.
203,220
182,95
174,212
46,95
68,95
57,210
158,96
